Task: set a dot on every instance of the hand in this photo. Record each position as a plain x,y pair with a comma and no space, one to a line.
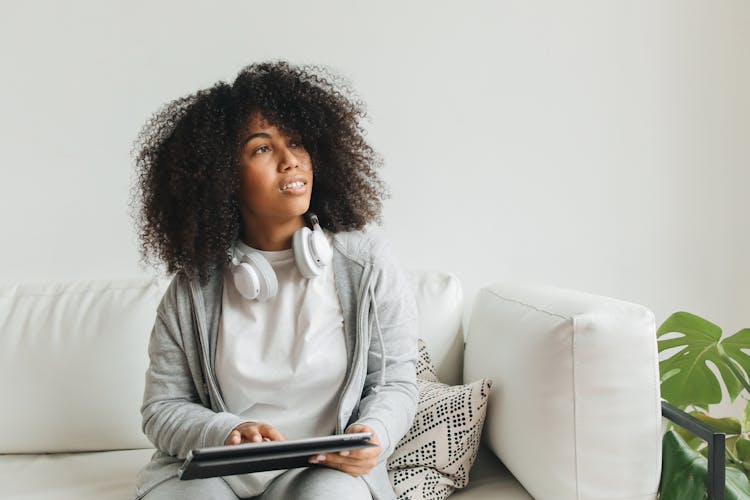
253,432
353,462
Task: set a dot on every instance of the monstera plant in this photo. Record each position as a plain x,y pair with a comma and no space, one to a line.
688,383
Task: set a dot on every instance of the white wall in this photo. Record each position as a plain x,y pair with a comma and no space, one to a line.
598,145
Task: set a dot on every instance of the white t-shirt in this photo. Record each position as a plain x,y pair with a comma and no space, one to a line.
282,362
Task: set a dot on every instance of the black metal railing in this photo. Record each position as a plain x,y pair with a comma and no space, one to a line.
716,447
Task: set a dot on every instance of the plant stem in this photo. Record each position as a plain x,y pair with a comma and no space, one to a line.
730,364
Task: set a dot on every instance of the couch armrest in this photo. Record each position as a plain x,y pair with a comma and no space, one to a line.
574,411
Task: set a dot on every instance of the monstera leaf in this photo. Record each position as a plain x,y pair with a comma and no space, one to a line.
727,425
684,473
686,376
742,447
734,345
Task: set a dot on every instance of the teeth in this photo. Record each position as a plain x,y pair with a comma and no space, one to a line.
293,185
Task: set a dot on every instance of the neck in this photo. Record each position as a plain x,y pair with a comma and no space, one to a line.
270,235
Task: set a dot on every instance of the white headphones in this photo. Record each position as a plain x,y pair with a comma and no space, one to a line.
254,277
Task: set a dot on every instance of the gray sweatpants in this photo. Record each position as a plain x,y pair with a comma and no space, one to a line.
310,483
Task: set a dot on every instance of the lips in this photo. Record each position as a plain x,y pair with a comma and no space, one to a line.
292,184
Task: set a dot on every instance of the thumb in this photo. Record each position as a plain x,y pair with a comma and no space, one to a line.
363,428
357,428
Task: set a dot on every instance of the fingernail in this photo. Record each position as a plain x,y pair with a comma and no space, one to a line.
257,438
320,458
344,453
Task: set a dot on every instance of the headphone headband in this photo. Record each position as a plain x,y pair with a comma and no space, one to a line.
314,220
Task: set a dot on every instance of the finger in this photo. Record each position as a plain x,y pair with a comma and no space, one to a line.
354,470
271,432
337,461
357,428
234,438
363,428
361,454
251,434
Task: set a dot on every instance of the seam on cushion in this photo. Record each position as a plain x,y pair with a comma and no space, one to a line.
514,301
575,407
573,377
105,288
657,397
576,444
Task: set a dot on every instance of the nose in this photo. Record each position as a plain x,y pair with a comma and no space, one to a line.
288,160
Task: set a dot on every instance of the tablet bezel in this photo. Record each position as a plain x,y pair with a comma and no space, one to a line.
271,455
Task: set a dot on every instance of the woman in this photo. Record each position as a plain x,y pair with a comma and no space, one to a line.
285,317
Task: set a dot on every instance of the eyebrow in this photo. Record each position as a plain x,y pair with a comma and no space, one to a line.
256,134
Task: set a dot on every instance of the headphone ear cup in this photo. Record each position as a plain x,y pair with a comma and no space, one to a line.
302,257
254,278
246,281
312,252
321,249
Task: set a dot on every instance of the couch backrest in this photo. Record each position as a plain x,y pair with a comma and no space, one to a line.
73,358
72,364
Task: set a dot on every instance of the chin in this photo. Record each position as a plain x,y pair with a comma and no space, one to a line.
298,210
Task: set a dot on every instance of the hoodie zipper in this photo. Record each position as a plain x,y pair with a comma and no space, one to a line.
357,362
199,308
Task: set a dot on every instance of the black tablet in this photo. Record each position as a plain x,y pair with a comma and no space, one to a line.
270,455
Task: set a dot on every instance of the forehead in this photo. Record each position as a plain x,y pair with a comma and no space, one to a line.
258,122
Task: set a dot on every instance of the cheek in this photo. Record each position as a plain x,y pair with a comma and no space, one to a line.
246,182
305,160
257,173
253,184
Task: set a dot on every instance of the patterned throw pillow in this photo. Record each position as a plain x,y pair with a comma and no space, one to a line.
425,370
436,454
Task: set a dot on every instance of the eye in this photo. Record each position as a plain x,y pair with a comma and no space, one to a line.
260,149
296,143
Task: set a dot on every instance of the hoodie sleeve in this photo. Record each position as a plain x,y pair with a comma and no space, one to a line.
389,398
177,416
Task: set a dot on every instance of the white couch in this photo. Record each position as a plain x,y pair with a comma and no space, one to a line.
574,410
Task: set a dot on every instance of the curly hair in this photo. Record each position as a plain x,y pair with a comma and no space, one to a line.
184,198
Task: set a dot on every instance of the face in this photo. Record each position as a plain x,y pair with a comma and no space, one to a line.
276,175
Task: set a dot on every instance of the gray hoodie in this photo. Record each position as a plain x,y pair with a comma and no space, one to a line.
183,406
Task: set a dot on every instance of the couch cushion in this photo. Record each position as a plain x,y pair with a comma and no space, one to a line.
440,306
108,475
490,480
72,363
111,476
574,410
